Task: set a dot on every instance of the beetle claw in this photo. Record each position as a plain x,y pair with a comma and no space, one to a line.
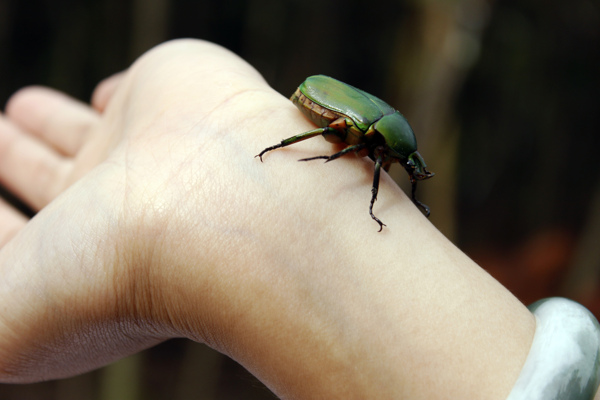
426,211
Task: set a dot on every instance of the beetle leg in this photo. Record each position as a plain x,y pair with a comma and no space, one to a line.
375,189
420,205
294,139
332,157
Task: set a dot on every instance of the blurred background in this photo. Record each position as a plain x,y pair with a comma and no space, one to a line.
503,97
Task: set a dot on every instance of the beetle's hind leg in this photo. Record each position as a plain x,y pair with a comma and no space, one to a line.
293,139
356,147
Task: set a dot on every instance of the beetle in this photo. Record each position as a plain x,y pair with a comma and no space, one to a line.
367,124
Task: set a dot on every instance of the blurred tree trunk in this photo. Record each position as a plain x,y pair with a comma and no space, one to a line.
434,53
150,22
200,370
81,387
581,282
123,379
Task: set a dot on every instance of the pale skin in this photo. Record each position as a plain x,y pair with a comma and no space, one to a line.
156,221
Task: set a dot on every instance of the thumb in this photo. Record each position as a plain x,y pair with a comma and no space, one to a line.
105,90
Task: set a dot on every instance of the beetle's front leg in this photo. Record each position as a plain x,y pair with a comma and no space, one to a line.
375,190
294,139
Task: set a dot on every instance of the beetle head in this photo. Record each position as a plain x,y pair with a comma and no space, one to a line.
398,135
416,167
402,145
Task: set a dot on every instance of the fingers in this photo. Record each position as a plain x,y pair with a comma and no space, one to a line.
42,130
28,168
104,91
56,119
11,222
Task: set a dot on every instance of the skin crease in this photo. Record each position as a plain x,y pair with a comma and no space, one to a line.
156,221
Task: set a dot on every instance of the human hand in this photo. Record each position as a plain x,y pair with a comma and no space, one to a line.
156,221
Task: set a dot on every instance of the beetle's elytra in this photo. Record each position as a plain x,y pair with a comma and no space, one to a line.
345,114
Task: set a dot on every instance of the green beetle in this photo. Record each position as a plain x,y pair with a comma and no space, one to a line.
367,124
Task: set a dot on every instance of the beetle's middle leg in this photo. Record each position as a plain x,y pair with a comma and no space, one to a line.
332,157
295,139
